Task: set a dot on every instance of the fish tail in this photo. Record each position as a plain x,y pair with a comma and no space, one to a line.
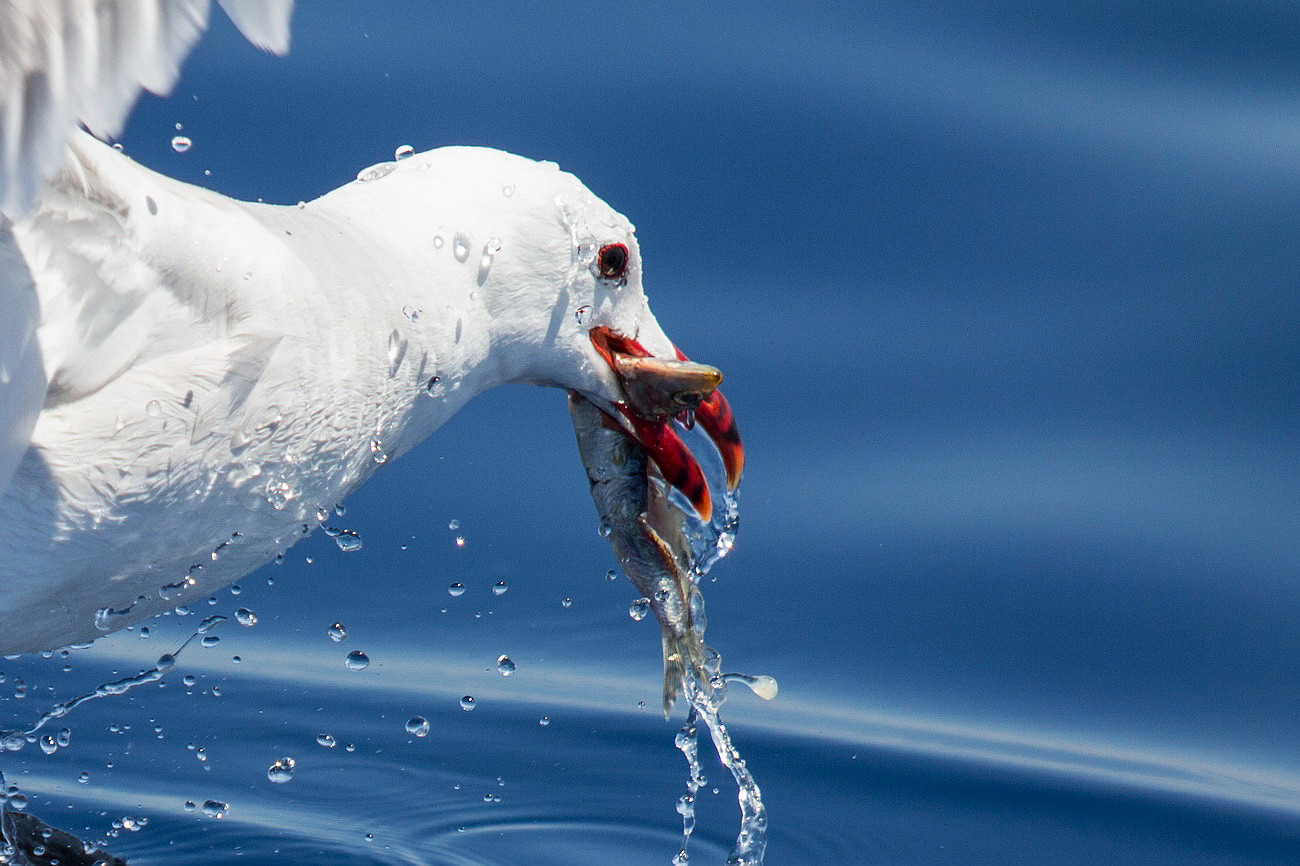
682,658
674,671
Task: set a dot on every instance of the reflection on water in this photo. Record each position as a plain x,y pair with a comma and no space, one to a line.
591,785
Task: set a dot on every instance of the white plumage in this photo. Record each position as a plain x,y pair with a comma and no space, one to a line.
185,379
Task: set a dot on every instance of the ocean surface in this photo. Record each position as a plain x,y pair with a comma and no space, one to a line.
1006,298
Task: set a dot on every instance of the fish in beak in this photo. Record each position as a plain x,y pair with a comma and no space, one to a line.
658,391
648,534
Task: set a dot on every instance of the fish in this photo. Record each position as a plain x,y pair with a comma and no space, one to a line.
648,533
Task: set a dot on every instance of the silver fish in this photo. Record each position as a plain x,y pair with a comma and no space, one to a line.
648,534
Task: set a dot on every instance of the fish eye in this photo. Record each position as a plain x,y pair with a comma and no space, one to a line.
611,261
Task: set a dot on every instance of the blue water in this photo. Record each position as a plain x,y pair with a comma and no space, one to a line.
1005,295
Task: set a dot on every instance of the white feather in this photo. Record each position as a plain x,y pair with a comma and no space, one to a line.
219,370
185,379
64,62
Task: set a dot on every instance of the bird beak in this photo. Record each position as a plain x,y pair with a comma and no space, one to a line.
658,391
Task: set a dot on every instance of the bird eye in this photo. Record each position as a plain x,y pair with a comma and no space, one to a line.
611,261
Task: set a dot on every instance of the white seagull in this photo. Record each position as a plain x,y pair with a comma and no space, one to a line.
186,380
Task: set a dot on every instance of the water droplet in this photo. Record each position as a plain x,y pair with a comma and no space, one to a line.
505,666
357,661
281,771
435,388
499,588
348,541
639,608
179,126
245,617
215,809
453,525
460,541
568,602
188,680
48,746
460,246
377,452
279,493
417,726
181,143
456,590
376,171
490,250
326,740
412,313
84,777
17,801
467,703
396,352
583,314
117,145
337,632
604,530
544,721
508,190
301,205
210,640
403,151
438,242
763,686
611,575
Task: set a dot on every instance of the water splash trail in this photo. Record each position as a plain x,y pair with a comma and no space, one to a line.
14,741
705,700
706,691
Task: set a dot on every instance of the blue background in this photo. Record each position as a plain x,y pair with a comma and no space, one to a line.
1005,295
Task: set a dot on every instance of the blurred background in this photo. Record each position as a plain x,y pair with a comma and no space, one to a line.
1005,295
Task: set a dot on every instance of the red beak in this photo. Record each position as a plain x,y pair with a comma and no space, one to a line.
661,389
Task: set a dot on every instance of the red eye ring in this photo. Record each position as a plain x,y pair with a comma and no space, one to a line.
612,261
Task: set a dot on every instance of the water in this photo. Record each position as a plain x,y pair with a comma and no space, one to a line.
1005,301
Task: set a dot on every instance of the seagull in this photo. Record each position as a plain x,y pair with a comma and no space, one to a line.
189,382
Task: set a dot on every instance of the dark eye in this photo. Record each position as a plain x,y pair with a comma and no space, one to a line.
611,261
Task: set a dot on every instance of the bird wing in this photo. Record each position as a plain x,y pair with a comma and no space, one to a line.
64,63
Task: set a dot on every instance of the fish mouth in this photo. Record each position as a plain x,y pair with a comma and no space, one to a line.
661,391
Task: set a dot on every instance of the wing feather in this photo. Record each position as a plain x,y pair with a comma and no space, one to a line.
22,373
64,62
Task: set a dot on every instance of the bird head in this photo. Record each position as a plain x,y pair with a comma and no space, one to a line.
544,282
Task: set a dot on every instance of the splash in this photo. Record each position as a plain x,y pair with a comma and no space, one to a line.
706,695
13,741
705,690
